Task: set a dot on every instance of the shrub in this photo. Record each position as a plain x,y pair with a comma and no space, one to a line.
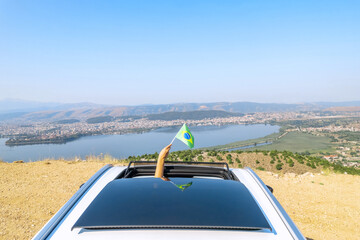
260,168
212,154
265,152
291,163
313,165
279,166
273,153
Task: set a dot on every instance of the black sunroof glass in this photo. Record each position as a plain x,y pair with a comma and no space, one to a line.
183,202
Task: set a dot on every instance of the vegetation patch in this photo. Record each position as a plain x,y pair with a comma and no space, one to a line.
273,161
248,143
349,136
300,142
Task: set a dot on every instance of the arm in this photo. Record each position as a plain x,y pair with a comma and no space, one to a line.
159,172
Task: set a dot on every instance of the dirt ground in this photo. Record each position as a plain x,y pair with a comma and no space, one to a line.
323,206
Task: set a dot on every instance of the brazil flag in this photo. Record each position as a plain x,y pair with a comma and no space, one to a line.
185,136
184,186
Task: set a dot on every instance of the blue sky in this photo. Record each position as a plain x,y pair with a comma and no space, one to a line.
140,52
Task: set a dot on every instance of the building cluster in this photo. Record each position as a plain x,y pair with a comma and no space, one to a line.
41,132
332,128
48,131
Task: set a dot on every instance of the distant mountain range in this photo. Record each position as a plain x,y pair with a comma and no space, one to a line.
192,115
167,116
18,105
28,111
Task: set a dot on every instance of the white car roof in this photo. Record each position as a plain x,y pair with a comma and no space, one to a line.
60,226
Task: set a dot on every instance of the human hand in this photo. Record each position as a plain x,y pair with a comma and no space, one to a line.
164,152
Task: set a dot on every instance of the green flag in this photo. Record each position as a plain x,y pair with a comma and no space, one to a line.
185,136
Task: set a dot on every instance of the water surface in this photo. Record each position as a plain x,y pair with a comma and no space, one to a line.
122,146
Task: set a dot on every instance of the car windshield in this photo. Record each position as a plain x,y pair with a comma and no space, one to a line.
178,203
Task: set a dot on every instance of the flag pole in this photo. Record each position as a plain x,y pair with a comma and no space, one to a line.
173,140
175,136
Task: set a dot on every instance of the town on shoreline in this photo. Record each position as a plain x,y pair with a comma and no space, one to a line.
64,131
334,136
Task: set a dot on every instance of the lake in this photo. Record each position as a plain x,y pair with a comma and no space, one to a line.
122,146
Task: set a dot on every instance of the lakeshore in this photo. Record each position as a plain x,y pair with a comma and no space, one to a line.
123,146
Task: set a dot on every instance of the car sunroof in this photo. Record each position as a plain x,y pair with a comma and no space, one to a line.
179,203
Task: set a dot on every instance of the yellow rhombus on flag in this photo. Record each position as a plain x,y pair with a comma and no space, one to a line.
185,136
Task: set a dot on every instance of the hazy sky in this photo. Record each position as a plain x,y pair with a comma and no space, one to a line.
138,52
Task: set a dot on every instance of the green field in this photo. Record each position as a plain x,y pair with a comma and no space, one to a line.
300,142
238,144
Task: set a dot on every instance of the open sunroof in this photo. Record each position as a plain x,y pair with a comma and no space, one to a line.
179,203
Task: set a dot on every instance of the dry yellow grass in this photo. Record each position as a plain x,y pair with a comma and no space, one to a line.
31,193
322,206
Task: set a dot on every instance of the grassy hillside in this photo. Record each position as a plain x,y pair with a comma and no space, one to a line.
274,161
323,206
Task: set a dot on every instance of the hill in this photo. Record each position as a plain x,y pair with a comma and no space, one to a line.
18,105
322,205
101,119
168,116
273,161
343,109
67,121
192,115
51,112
